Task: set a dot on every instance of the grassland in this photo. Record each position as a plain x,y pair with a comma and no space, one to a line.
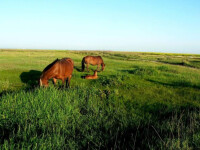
140,101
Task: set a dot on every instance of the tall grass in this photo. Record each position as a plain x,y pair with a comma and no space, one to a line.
90,118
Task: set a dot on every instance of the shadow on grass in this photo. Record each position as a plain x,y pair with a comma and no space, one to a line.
78,69
30,78
91,70
173,63
175,84
185,64
128,71
141,71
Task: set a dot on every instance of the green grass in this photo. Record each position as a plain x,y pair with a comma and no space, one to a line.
140,101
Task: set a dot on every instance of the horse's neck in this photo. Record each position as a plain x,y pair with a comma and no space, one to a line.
43,78
95,73
46,76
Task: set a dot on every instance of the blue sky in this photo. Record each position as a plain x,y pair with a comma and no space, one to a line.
125,25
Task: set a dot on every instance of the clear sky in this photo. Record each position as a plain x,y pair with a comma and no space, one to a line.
126,25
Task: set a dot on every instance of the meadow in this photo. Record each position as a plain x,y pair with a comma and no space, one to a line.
140,101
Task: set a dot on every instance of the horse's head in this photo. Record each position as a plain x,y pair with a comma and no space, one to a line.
43,82
103,66
95,73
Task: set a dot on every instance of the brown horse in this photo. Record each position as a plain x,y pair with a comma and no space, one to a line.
93,60
59,69
92,76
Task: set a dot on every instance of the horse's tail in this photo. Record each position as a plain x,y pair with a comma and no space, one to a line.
83,64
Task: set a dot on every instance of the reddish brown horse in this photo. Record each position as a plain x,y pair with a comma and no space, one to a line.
93,60
94,76
59,69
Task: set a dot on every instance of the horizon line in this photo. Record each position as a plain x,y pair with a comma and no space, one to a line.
108,50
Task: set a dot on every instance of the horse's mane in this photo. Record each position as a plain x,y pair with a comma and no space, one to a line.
64,59
50,65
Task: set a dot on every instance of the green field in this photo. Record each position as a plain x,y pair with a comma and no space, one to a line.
140,101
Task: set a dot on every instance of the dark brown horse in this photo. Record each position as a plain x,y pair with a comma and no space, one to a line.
59,69
93,60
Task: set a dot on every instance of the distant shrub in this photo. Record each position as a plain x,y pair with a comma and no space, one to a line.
160,59
163,68
194,64
166,69
114,80
183,83
145,71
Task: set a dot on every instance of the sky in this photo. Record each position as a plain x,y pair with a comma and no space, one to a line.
123,25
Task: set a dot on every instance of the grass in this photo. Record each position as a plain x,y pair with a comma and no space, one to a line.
140,101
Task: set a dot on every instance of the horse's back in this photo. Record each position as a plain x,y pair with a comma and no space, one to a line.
67,61
93,59
59,68
66,66
91,77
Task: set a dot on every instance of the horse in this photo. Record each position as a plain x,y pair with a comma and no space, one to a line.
58,69
93,60
92,76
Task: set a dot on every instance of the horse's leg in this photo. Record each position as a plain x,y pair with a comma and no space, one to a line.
88,67
54,81
63,82
68,81
98,67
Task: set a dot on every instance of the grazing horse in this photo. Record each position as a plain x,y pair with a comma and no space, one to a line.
92,76
93,60
59,69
